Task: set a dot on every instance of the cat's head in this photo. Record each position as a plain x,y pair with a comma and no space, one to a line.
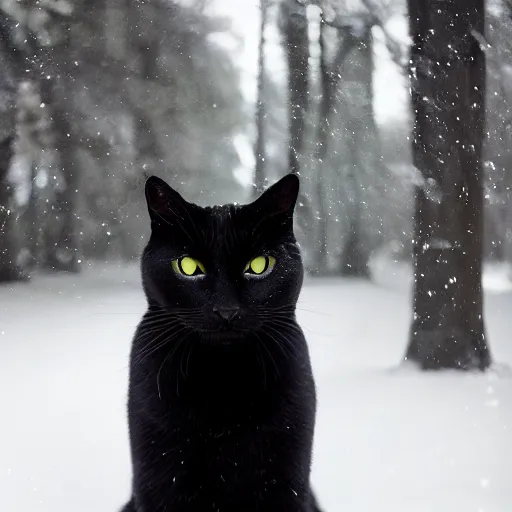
223,270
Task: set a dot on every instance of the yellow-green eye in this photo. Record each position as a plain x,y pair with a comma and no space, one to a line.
188,266
260,265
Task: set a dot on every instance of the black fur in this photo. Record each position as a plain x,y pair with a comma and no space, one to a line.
221,412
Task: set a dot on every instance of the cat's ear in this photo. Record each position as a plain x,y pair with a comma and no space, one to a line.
162,200
280,198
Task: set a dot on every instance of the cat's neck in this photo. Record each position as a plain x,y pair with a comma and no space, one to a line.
234,379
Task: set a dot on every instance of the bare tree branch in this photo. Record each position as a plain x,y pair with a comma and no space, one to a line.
370,17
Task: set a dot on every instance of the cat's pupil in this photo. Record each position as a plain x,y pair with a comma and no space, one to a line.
189,266
259,264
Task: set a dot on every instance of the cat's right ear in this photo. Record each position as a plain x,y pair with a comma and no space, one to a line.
279,199
162,200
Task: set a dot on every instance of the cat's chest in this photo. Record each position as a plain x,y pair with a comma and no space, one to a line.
219,465
220,454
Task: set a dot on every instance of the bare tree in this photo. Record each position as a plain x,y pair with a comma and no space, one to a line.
10,270
348,156
327,85
62,244
294,23
295,29
347,138
259,150
361,138
9,243
330,75
448,90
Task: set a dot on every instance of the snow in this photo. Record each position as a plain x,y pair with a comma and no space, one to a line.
388,439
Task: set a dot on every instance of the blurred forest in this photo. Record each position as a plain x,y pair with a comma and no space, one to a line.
96,95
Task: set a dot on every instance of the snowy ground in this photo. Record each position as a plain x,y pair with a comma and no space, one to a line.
388,440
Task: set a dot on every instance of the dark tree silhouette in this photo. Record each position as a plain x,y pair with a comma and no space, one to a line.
259,150
327,84
448,90
330,75
62,251
362,144
295,29
294,24
9,241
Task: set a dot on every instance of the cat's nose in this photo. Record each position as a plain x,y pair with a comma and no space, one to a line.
227,314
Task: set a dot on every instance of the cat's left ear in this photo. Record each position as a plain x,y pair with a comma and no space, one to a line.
280,198
162,200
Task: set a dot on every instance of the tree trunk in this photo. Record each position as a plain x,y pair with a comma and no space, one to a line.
34,144
448,88
361,146
507,239
9,245
62,247
326,78
9,242
259,150
354,256
32,236
330,77
296,34
295,27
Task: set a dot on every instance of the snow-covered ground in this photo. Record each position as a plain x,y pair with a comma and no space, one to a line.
388,439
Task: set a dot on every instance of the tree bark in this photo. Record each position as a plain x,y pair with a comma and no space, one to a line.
354,257
507,250
9,243
321,154
62,247
330,75
361,145
296,34
448,90
259,150
34,144
295,28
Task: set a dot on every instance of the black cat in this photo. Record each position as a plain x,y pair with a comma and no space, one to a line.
222,399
